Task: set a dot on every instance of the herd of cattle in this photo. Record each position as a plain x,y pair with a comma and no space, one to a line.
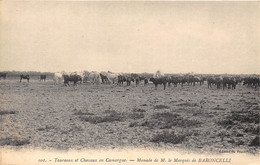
216,81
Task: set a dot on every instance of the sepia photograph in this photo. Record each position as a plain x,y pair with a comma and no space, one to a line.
129,82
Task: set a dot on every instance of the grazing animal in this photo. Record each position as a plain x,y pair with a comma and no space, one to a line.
112,77
128,80
174,80
137,81
104,79
120,80
71,78
251,81
229,82
210,81
183,80
24,77
92,77
145,82
3,74
85,76
134,75
214,81
57,78
42,77
202,79
196,79
157,81
136,78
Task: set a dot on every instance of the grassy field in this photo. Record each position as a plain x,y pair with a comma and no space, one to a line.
193,118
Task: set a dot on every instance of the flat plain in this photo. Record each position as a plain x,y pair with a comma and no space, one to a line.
192,118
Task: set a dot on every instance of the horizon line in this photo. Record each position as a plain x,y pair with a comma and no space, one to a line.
131,72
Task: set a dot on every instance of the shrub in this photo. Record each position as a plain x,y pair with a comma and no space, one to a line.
253,130
161,107
246,117
14,142
166,120
136,115
138,110
255,142
167,137
133,124
7,112
83,113
101,119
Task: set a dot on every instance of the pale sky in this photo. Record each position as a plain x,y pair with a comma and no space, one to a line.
174,37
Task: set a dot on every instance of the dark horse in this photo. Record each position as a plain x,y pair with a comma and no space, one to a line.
24,77
128,80
157,81
3,74
104,79
145,82
121,80
42,77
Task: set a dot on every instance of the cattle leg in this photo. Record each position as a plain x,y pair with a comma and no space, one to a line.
164,86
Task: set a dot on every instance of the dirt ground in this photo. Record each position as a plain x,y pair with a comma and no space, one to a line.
194,118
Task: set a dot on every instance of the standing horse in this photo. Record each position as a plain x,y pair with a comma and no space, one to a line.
145,81
128,80
3,74
24,77
121,79
157,81
42,77
104,79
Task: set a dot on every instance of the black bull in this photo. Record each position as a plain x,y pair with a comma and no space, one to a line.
229,82
251,81
24,77
226,82
157,81
71,78
42,77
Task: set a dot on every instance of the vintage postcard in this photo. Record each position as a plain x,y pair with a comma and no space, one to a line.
129,82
